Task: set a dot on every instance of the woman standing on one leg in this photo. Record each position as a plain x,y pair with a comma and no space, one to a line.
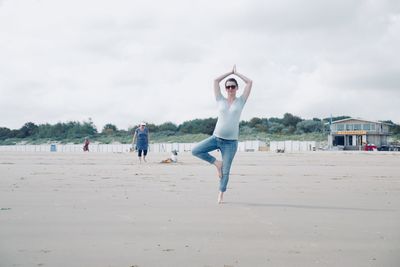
141,138
226,130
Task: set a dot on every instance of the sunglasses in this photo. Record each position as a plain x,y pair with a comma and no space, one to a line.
230,86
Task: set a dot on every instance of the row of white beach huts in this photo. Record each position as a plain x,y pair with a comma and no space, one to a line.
243,146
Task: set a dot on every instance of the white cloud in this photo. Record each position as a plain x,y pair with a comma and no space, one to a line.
126,61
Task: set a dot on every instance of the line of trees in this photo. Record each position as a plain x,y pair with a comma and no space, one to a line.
58,131
288,124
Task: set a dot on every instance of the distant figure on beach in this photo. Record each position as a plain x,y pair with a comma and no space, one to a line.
173,158
141,140
86,145
226,132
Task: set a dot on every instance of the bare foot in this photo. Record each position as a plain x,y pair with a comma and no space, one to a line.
144,159
220,197
218,164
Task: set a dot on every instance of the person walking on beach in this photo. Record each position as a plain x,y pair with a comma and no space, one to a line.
141,139
86,145
226,132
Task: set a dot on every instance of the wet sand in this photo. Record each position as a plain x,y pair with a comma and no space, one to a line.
105,209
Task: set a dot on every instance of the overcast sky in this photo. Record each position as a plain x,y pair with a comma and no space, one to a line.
126,61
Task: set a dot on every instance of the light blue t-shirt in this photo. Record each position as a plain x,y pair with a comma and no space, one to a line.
227,126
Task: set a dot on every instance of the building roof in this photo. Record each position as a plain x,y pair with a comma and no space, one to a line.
359,119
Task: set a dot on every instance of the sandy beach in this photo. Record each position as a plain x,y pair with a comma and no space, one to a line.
106,209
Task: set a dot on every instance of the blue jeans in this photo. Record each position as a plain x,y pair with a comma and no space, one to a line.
228,150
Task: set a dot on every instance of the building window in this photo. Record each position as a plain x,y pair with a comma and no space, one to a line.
367,127
340,127
385,129
349,127
357,127
373,127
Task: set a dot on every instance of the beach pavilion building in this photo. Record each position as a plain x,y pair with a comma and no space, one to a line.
353,134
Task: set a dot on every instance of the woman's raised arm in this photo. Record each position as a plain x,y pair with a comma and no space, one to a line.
217,88
247,81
